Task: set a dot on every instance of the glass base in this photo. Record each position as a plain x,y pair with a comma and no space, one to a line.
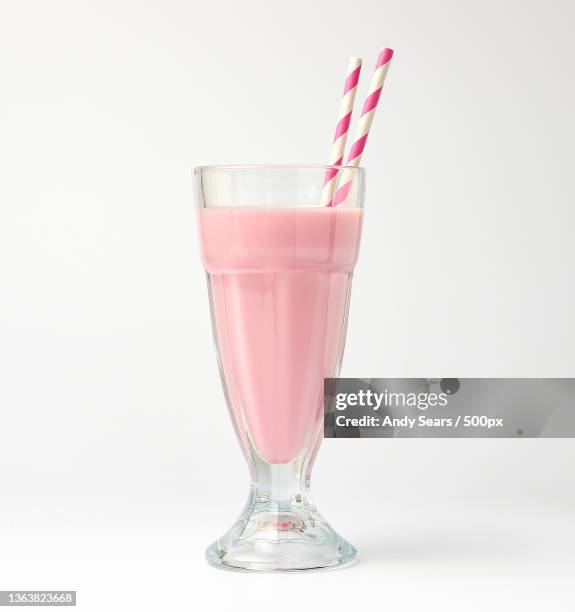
266,540
280,529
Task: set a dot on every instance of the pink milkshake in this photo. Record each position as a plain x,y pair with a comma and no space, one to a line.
279,281
279,243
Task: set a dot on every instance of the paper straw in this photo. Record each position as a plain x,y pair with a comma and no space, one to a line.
341,130
364,125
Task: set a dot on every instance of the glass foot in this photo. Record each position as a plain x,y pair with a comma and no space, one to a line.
267,538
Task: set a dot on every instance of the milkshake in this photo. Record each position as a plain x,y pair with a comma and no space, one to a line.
279,265
279,282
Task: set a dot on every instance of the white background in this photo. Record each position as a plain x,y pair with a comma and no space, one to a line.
117,461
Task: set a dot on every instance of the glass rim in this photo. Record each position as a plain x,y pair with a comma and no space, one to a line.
232,167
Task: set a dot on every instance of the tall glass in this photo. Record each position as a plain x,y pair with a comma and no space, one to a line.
279,268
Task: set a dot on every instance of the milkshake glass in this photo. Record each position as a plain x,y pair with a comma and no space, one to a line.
279,268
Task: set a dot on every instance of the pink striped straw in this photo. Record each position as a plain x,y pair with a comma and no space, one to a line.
364,125
341,130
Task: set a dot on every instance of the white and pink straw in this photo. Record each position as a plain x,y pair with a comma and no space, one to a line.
363,127
341,130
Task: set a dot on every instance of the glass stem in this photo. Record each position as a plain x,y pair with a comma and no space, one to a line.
281,487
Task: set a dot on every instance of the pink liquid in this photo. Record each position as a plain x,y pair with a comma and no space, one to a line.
279,282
